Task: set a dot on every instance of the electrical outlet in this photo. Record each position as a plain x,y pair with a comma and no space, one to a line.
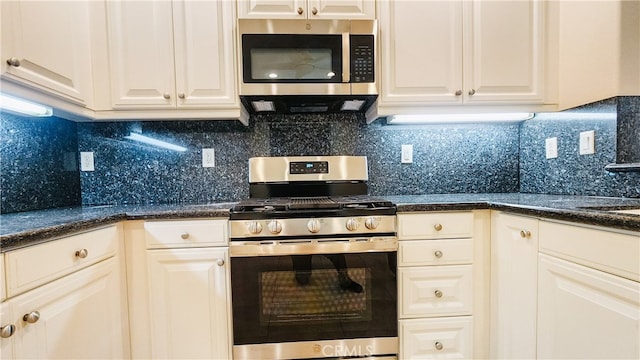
86,161
407,154
587,142
551,147
208,158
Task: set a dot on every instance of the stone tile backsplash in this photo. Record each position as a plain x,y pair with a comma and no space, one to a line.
40,170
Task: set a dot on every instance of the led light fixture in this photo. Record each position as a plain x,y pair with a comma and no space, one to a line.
155,142
458,118
24,107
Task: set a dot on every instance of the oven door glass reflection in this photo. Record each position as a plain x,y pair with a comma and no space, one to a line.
313,297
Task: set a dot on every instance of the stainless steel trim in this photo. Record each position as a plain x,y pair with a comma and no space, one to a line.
276,169
312,246
346,56
368,348
297,89
300,26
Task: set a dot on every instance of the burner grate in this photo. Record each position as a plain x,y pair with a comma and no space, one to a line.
313,203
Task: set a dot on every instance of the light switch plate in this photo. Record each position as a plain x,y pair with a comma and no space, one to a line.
208,158
407,154
551,147
587,142
86,161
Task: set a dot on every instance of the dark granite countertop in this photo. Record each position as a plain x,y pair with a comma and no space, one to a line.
27,228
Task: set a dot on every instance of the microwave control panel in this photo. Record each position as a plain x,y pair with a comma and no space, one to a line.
362,56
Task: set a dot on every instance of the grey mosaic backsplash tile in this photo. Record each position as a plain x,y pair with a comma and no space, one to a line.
38,163
628,129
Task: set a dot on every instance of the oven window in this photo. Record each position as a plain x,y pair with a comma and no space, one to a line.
291,58
313,297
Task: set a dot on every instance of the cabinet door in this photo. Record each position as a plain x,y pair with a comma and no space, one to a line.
6,340
514,259
188,290
141,54
80,317
503,51
204,60
585,313
341,9
272,9
421,49
48,43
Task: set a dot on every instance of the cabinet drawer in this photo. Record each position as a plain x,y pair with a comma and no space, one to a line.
450,338
35,265
185,233
435,291
438,225
613,252
435,252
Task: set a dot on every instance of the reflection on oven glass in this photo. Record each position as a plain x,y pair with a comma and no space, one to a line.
321,294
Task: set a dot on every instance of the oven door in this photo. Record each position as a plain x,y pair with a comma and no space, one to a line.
313,305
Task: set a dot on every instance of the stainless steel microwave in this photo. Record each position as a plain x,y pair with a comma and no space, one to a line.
307,57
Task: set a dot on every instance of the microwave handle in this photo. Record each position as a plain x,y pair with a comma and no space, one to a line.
346,55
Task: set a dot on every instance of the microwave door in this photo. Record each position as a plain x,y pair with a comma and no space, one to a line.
346,63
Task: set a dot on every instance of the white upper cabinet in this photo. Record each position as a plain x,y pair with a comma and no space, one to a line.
168,54
46,45
306,9
459,52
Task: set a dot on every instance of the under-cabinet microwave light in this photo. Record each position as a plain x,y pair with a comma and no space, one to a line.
24,107
155,142
458,118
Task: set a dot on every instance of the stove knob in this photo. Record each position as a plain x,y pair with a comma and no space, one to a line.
254,227
313,225
352,224
372,222
274,227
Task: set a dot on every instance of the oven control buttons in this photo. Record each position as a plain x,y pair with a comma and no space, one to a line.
313,225
254,227
352,224
372,223
274,227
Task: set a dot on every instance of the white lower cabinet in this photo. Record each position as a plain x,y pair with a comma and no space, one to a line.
188,303
79,313
179,289
441,281
436,338
584,313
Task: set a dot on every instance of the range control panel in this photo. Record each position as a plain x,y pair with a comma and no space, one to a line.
309,167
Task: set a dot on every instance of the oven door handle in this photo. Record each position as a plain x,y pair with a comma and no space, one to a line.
312,246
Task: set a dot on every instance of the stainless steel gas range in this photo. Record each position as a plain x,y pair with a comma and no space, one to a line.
313,262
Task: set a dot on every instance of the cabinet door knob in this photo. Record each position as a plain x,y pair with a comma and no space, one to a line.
438,227
31,317
314,11
438,345
459,92
438,293
525,233
220,262
472,92
81,254
181,95
300,11
166,96
7,331
15,62
438,254
184,235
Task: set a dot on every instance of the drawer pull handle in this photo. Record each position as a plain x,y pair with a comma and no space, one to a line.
81,254
300,11
7,331
31,317
438,293
439,345
438,254
438,227
525,233
220,262
15,62
184,235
